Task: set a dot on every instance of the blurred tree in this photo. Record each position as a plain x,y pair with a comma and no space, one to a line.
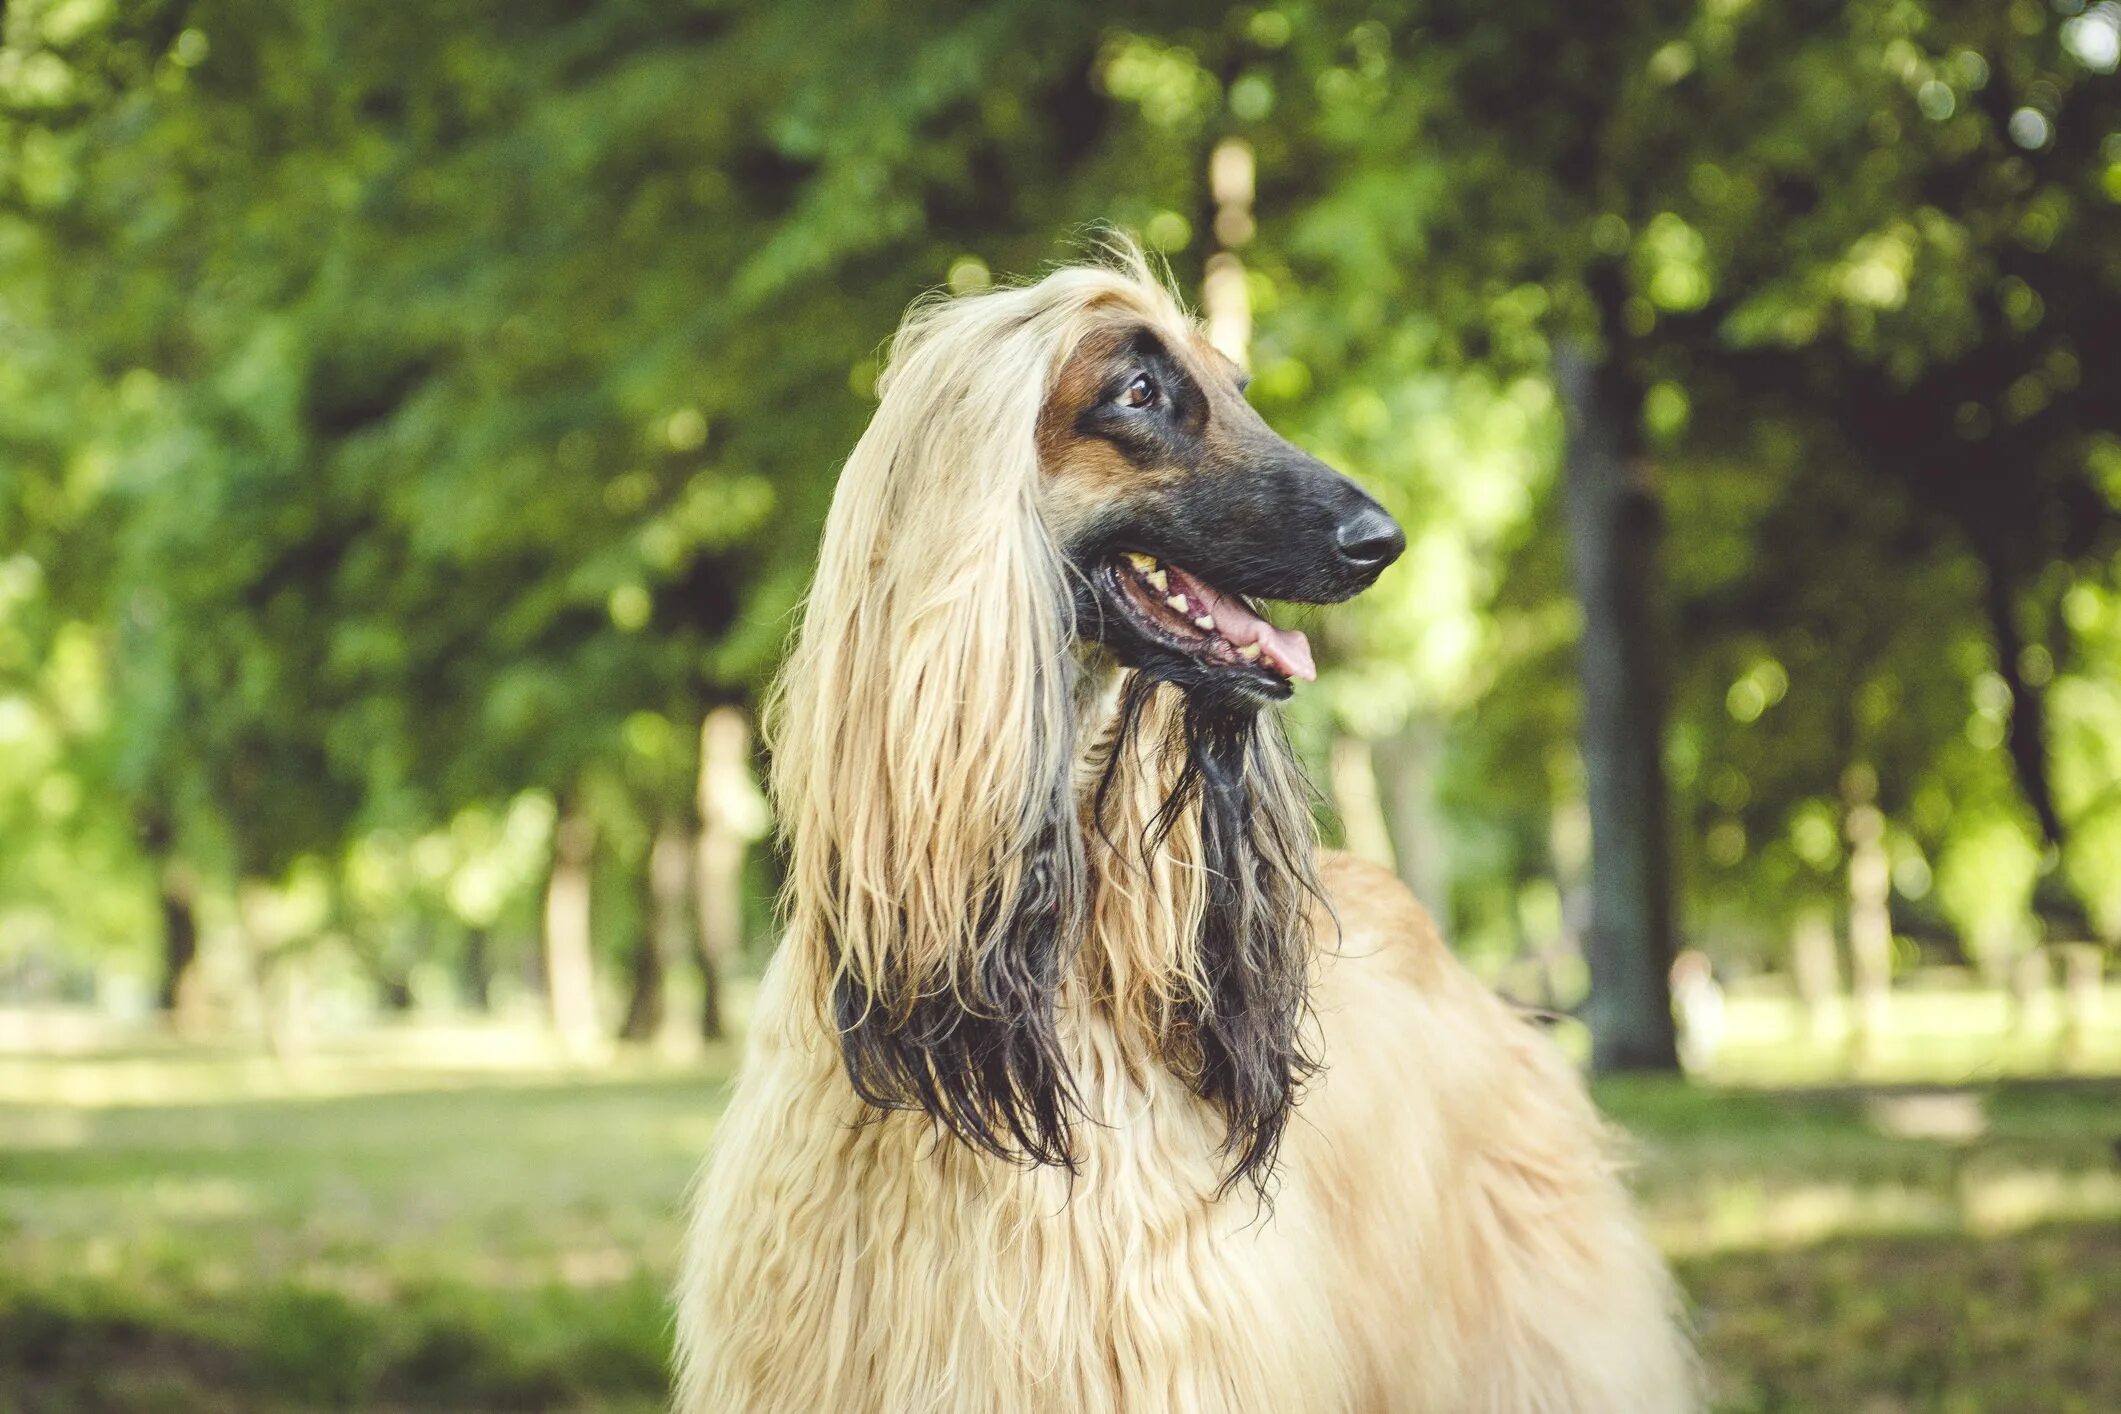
1612,531
485,382
413,419
1813,247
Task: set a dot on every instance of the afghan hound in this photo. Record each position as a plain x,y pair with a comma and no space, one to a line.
1082,1080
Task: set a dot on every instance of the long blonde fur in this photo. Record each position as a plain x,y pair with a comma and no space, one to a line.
926,715
1446,1231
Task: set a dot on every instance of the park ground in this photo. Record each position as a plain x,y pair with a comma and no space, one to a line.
450,1221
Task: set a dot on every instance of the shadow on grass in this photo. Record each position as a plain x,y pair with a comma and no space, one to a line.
2024,1322
290,1347
500,1247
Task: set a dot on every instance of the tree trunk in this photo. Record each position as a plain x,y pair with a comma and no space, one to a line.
1812,960
570,965
1870,913
1612,516
2032,985
1226,299
664,933
393,982
476,975
394,990
278,971
670,867
1407,764
179,995
726,802
2025,735
1353,771
648,999
2083,996
1564,968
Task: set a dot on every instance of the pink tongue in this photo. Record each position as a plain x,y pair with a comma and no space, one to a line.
1286,649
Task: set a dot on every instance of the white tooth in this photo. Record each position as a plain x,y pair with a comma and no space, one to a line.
1143,563
1178,602
1161,580
1204,621
1250,652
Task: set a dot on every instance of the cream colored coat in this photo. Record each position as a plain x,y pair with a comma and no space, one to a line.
1447,1235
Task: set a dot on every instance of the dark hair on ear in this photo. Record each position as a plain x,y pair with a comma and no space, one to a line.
982,1058
1242,1045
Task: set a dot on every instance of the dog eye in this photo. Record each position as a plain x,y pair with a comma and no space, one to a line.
1140,393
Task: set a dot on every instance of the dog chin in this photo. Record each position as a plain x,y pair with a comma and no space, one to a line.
1217,689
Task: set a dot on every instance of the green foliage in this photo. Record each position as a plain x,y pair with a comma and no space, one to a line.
473,383
1855,273
1985,883
407,416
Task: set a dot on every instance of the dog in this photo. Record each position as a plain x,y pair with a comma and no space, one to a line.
1083,1080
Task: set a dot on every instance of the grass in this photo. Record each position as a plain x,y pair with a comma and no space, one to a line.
1893,1251
1940,1026
400,1228
490,1242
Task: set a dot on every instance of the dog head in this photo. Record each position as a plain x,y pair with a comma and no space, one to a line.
1057,476
1178,507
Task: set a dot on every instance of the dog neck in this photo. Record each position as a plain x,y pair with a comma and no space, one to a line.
1200,858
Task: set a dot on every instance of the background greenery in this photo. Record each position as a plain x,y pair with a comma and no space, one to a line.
415,421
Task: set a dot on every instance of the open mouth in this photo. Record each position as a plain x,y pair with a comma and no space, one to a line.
1180,612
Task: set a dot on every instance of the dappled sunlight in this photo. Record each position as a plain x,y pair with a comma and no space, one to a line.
199,1200
1744,1170
498,1236
1961,1035
108,1065
598,1266
2024,1321
1955,1116
2012,1201
1746,1215
23,1129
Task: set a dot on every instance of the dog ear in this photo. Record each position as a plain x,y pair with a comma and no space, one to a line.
979,1053
924,746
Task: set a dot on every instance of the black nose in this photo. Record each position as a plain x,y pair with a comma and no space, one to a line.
1369,540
